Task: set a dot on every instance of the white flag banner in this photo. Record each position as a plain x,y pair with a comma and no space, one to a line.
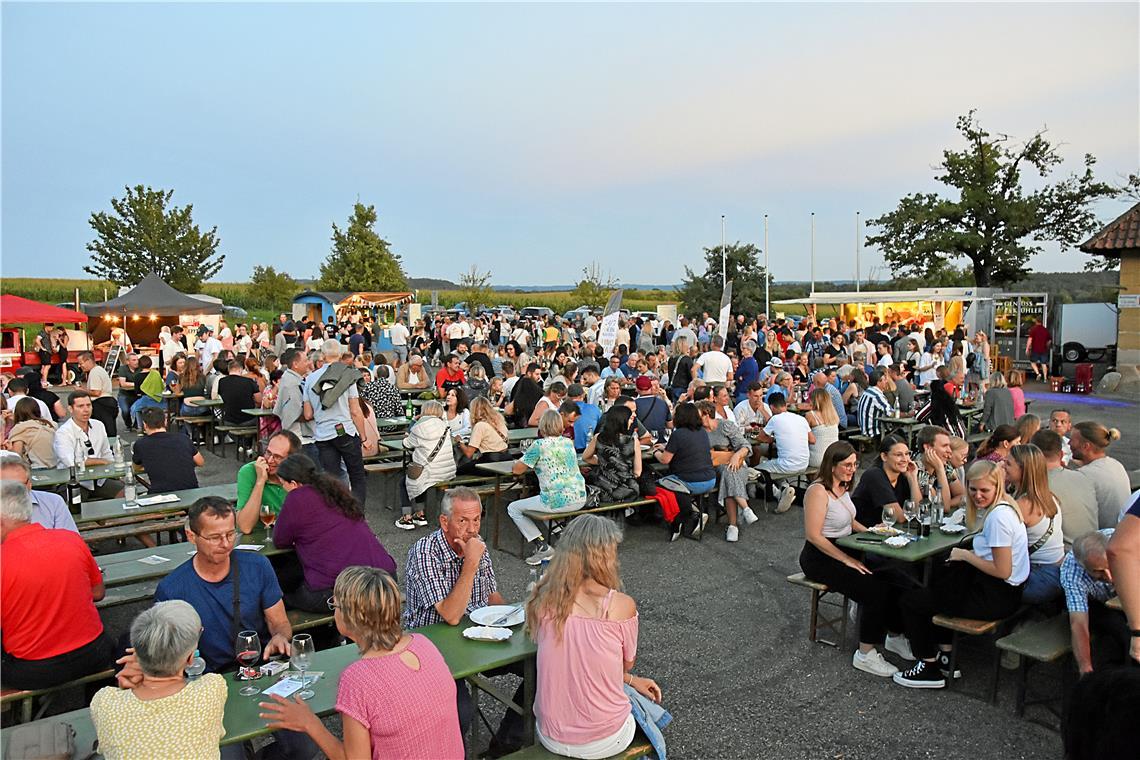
725,310
607,333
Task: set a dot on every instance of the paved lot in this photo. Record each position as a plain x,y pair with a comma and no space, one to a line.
725,636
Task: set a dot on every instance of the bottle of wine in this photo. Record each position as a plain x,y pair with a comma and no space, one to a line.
74,490
409,409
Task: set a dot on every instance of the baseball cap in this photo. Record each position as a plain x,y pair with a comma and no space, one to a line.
775,362
643,383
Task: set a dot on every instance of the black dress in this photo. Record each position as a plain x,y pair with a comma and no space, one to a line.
613,474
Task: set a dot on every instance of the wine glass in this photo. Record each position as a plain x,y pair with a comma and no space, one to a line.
302,659
248,650
268,518
909,512
888,517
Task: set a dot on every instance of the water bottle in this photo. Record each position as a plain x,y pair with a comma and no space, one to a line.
926,511
196,667
533,580
130,488
545,564
80,456
898,410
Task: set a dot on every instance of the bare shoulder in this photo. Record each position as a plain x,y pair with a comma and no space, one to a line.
622,607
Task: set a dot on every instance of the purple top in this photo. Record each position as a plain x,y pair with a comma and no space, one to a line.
326,540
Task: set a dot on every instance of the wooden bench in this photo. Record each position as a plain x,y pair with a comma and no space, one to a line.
135,592
239,433
640,747
204,421
835,623
25,698
1038,641
545,519
970,627
131,529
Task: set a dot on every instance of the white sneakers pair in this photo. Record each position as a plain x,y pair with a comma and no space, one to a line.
873,661
732,533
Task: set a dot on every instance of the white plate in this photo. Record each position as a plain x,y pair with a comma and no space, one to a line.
483,633
952,528
882,530
897,542
488,615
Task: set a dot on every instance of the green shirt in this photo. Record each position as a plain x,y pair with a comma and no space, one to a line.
272,495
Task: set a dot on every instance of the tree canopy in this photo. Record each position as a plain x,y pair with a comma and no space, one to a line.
361,260
475,289
272,288
995,223
701,292
142,235
595,286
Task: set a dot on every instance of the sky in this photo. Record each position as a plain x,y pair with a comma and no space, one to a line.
532,139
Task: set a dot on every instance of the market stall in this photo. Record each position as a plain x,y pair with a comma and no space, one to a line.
143,310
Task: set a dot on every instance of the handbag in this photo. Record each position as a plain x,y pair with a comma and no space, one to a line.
414,469
41,741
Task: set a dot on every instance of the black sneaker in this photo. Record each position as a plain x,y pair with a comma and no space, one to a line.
922,675
944,666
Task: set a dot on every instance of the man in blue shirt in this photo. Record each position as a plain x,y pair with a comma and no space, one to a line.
824,378
588,416
48,509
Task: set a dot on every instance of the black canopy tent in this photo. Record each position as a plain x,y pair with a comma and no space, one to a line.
144,309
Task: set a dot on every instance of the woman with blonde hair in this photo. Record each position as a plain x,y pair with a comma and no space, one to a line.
586,630
488,442
1027,425
982,583
1027,478
398,699
1016,380
431,461
824,422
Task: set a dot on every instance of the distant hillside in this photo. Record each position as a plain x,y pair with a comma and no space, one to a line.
431,283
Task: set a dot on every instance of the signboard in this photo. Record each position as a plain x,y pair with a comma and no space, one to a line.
607,333
667,312
415,312
725,310
1128,301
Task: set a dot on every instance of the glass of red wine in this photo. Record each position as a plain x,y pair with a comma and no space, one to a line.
248,650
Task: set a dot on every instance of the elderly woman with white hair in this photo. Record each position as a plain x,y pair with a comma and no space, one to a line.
561,487
165,715
431,461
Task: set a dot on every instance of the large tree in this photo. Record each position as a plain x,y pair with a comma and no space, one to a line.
270,288
361,260
994,223
701,292
142,235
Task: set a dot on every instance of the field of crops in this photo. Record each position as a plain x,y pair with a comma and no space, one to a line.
558,300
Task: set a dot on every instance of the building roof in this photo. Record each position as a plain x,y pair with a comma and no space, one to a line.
1120,235
379,300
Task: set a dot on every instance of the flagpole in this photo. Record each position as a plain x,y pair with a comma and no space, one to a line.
813,252
767,274
858,244
723,256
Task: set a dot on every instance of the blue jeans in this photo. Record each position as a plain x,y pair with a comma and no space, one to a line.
345,449
699,487
143,402
189,410
1044,584
125,407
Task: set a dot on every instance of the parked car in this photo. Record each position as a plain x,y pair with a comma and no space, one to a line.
507,311
535,312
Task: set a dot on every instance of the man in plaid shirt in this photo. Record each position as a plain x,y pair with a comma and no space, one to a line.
449,572
1085,574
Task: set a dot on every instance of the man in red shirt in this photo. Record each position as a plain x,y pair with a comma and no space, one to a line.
1038,346
49,584
450,375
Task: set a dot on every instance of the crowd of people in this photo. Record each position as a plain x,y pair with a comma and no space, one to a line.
671,413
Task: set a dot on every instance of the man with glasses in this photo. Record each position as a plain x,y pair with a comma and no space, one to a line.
84,438
257,482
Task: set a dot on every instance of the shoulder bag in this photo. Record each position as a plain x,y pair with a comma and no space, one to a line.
414,469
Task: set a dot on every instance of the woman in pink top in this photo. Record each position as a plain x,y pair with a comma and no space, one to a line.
398,699
1016,380
586,632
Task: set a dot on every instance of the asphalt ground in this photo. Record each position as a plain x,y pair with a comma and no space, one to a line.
725,636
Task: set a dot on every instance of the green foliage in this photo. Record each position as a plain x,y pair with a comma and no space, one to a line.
142,236
271,288
995,224
702,292
595,286
361,260
475,289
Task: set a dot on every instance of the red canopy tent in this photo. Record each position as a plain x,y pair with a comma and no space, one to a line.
16,310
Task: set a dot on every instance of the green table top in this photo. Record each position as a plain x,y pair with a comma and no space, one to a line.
123,568
915,551
205,402
243,722
258,412
500,469
384,422
105,509
58,476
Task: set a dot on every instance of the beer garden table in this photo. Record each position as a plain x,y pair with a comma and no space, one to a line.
107,509
466,659
921,550
124,568
58,476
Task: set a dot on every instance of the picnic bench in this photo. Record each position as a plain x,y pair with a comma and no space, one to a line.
800,478
835,623
25,699
639,747
1040,641
970,627
545,520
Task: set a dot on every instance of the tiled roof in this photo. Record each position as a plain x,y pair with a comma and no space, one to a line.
1120,235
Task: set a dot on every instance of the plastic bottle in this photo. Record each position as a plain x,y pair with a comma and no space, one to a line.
130,488
80,456
196,667
118,451
533,580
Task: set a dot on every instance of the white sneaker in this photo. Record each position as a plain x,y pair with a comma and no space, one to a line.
900,645
732,534
748,515
536,558
786,500
872,662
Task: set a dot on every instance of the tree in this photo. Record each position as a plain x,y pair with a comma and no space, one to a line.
595,286
701,292
142,236
475,289
271,288
994,223
361,260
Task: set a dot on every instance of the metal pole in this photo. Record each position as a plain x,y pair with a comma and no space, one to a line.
767,274
813,252
723,256
858,245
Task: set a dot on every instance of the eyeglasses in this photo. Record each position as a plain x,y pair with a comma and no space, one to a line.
271,457
220,538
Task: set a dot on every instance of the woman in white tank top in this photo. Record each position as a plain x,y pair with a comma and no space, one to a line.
824,424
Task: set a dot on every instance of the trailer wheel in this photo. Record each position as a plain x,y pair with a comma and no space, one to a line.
1074,352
